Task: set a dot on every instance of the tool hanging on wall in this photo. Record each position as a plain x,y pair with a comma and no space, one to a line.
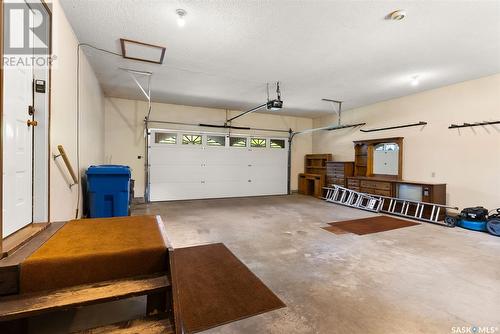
467,125
394,127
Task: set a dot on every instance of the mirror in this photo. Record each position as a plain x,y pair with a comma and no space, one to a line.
386,159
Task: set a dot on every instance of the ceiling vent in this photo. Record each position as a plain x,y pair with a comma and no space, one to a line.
142,51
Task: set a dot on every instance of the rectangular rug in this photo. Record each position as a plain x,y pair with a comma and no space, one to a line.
335,230
214,288
372,224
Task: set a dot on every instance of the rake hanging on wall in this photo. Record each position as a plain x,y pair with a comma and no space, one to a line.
394,127
466,125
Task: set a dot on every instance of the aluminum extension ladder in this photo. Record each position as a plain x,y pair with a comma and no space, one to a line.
354,199
391,205
401,207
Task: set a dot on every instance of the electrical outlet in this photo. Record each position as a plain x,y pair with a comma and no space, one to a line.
433,174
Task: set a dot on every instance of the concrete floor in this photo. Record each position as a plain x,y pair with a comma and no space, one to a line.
421,279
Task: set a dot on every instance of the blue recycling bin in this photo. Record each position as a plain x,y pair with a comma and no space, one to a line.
108,189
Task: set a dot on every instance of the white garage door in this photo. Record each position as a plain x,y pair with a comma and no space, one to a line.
186,165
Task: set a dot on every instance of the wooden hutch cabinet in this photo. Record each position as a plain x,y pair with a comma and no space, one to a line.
312,181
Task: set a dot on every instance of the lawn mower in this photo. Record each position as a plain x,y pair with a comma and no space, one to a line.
477,219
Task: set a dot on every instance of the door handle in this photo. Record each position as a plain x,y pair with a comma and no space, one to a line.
31,123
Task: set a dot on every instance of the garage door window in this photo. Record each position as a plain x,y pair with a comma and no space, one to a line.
216,141
277,143
165,138
191,140
258,142
238,142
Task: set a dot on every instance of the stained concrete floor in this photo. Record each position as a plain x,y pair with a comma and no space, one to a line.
421,279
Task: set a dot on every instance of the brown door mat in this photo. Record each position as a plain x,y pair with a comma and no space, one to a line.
214,288
372,224
335,230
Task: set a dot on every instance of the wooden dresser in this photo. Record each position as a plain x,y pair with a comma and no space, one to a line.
410,190
429,192
337,172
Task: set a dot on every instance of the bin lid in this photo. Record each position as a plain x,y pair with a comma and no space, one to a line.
109,170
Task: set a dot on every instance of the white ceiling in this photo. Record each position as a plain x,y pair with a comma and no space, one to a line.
345,50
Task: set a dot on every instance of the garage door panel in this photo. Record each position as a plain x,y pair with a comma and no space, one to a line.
167,191
225,173
182,173
175,156
234,188
271,187
264,170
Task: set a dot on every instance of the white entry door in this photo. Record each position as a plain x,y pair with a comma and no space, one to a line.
17,148
186,165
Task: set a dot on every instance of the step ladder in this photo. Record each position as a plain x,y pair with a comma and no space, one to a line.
428,212
354,199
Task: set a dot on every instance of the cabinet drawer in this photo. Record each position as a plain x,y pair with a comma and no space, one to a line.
353,182
376,191
376,185
339,182
382,192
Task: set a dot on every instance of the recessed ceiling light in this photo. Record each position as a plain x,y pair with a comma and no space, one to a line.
415,81
397,15
181,13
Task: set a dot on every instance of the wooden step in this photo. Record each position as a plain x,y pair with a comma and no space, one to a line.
22,306
148,325
20,238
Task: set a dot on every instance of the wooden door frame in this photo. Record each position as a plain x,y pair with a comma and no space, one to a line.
49,96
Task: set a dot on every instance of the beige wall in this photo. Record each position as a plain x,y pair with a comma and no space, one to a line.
467,160
124,131
64,117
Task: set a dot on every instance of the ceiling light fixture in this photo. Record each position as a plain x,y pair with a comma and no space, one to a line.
181,13
415,81
397,15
